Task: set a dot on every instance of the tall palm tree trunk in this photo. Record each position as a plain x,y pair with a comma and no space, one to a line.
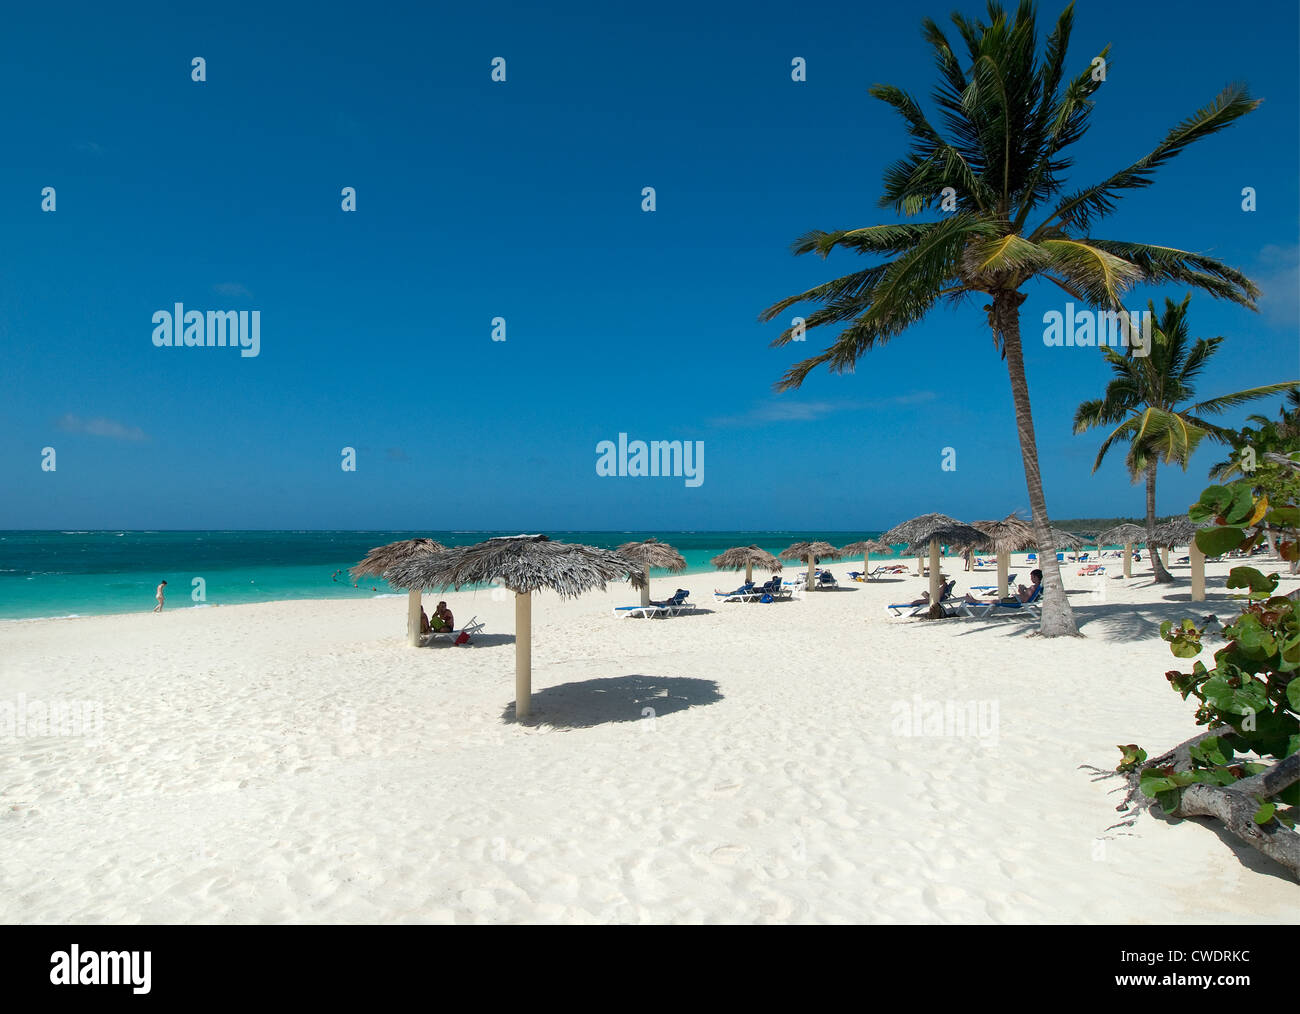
1058,618
1162,576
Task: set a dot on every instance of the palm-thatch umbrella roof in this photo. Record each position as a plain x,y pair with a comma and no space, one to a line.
747,557
1067,540
927,527
524,564
382,559
1010,535
1126,534
1178,532
808,551
652,553
865,546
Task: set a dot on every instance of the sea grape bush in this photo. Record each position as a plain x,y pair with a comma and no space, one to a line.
1251,694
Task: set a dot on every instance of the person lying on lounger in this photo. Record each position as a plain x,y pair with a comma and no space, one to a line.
1023,594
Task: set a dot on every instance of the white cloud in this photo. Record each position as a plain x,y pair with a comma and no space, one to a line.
100,427
806,411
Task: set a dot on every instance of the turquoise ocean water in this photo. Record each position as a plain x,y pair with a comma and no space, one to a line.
89,573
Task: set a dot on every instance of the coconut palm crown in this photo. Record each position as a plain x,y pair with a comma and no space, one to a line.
1147,403
993,170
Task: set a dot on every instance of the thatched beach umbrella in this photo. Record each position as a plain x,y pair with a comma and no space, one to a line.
524,564
934,529
1065,540
866,547
380,560
1010,535
810,553
748,557
1126,535
652,553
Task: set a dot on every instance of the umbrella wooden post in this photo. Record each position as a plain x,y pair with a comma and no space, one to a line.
1128,559
523,653
1164,556
811,581
920,565
866,565
1198,572
413,617
936,581
749,573
1004,567
645,588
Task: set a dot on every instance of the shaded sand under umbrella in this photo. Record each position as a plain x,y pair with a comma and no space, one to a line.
524,564
1012,534
1182,532
748,557
866,547
652,553
810,552
380,560
1127,535
934,529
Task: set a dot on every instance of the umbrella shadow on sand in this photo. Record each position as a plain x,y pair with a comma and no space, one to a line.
635,698
477,641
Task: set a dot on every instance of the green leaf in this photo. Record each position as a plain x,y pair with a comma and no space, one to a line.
1217,541
1169,800
1249,577
1265,813
1293,694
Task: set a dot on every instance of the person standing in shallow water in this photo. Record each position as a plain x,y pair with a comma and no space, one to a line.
159,596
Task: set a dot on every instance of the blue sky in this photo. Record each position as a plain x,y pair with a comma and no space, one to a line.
522,200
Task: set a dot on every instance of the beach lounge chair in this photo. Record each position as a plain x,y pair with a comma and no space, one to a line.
1011,580
922,607
825,579
745,593
642,612
1031,607
469,630
677,604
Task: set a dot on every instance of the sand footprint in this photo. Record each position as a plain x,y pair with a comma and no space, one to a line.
727,855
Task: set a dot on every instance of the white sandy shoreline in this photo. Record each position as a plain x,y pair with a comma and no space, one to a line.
297,762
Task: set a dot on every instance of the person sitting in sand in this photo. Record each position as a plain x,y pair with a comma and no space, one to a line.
159,596
442,621
1023,594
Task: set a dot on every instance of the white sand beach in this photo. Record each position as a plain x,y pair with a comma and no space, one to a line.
298,762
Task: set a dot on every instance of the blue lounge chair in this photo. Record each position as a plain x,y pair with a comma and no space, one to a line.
745,593
922,607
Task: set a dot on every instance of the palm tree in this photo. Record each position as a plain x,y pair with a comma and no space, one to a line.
1147,400
1009,120
1282,435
